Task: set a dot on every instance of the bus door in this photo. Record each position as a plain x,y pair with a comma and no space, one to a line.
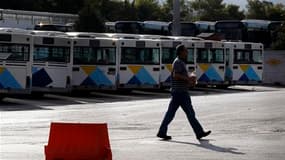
94,64
52,64
247,63
139,63
15,62
210,63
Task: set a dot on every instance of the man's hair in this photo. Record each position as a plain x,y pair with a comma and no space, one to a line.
179,49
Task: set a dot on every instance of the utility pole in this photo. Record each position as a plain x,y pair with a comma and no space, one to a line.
176,28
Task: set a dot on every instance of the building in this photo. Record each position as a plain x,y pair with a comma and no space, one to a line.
28,19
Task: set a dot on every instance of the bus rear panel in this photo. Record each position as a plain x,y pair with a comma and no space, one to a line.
94,64
210,63
15,62
245,62
52,64
139,63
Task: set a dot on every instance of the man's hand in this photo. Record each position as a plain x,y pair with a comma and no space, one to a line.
192,80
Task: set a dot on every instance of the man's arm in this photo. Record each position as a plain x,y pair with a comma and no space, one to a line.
178,76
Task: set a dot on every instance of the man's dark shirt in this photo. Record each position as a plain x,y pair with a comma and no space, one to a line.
179,66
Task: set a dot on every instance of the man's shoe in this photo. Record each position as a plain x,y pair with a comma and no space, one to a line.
204,134
164,137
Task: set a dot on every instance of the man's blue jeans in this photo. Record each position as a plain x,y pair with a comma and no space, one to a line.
180,99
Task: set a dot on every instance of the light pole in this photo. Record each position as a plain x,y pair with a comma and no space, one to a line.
176,18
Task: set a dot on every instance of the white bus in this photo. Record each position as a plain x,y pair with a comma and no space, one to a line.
52,62
139,63
210,63
168,54
15,61
244,62
94,62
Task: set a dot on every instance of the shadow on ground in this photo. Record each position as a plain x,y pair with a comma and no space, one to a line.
207,145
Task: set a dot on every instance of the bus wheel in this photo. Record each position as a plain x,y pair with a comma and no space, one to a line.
124,91
37,95
222,86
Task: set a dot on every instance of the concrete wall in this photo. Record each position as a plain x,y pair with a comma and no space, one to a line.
274,67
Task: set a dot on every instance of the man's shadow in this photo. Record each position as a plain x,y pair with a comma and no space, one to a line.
205,143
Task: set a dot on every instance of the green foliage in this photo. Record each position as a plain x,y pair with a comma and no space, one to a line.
265,10
147,10
93,13
233,13
90,18
279,43
213,10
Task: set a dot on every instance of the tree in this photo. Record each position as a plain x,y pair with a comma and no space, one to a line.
90,18
279,44
233,13
185,10
209,10
118,10
265,10
147,10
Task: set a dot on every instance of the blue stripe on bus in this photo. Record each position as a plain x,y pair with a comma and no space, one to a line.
213,74
99,77
144,77
88,82
251,74
41,78
7,80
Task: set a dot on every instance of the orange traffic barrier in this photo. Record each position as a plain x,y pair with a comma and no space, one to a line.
77,141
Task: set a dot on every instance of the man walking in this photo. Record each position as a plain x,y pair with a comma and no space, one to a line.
180,97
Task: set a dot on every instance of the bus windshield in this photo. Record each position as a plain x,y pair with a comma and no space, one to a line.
128,27
14,52
210,55
231,30
89,55
248,57
51,54
54,27
169,54
188,29
140,56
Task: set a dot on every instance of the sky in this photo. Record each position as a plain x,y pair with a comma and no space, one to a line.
243,3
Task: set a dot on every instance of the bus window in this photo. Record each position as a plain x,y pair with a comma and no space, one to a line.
190,56
87,55
54,27
168,55
154,56
202,56
14,52
257,57
241,57
83,55
217,55
227,56
140,56
106,56
51,54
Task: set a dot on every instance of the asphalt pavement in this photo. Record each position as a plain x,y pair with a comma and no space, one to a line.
247,123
